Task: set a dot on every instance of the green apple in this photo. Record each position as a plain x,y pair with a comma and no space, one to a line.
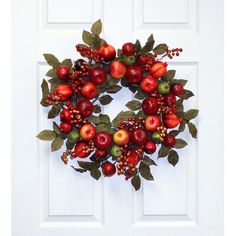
163,88
115,151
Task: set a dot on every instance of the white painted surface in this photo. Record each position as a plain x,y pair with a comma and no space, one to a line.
51,199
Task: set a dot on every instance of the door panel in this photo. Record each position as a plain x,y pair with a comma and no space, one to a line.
50,198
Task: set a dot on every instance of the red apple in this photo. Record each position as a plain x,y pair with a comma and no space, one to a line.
81,150
134,74
63,72
108,169
149,105
107,52
152,122
158,69
65,115
142,60
97,75
100,154
89,90
121,137
150,147
128,49
177,89
133,158
169,140
117,69
139,137
63,91
102,140
87,132
65,127
85,108
149,84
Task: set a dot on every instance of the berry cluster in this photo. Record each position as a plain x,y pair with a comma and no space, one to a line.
87,52
173,52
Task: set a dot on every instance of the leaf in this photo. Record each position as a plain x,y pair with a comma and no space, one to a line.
97,42
87,37
191,114
149,44
192,130
183,82
52,60
186,94
46,135
173,157
174,132
106,99
70,144
87,165
56,144
52,73
160,49
145,171
96,109
180,143
182,126
124,82
137,46
94,119
140,113
95,173
67,63
133,88
133,105
148,161
163,151
170,74
55,110
45,92
96,28
104,118
79,169
136,182
122,116
113,88
102,127
54,83
56,128
140,95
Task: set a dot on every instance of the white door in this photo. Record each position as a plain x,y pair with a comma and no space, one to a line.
50,198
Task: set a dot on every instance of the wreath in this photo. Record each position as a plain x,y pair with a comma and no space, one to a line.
125,145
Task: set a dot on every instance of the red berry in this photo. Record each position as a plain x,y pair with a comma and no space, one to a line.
177,89
108,169
85,108
128,49
102,140
107,52
169,141
65,115
63,72
150,106
65,127
150,147
134,74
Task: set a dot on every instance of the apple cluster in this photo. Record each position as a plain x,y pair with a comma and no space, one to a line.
77,91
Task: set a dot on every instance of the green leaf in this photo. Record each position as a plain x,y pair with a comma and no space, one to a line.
180,143
122,116
124,82
113,88
104,118
56,128
103,127
133,105
180,81
170,74
96,109
52,73
173,157
186,94
95,173
133,88
54,82
46,135
145,171
148,161
54,112
136,182
140,95
191,114
163,151
79,169
52,60
56,144
192,130
140,113
87,37
106,99
137,46
149,44
87,165
96,28
94,119
160,49
67,63
70,144
174,132
182,126
97,42
45,92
